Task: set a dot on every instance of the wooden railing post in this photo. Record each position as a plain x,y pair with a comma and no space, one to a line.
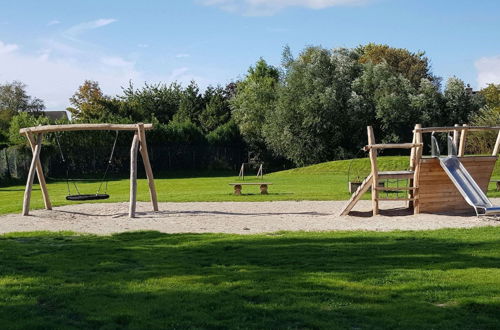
461,148
455,138
497,145
373,161
418,155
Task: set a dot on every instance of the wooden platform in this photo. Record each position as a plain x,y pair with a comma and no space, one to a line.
437,194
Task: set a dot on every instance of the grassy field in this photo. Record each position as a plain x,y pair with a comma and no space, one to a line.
326,181
446,279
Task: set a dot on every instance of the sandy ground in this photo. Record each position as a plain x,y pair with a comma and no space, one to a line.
234,217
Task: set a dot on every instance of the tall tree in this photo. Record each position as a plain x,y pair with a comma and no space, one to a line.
216,111
160,101
413,66
460,105
14,99
88,102
254,101
312,118
191,104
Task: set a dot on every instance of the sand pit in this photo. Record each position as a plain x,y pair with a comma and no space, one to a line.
233,217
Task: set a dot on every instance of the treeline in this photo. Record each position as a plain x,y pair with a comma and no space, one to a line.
314,107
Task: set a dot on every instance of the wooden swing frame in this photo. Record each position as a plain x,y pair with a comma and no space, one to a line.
35,136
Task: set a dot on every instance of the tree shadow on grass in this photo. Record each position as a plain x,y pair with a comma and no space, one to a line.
281,280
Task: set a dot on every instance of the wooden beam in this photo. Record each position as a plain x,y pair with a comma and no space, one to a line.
463,128
39,172
461,148
83,127
133,175
356,196
147,166
31,175
497,146
374,169
392,146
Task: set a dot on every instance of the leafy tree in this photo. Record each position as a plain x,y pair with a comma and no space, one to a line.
491,95
226,134
23,119
312,118
254,101
413,66
88,102
489,115
216,111
14,99
191,104
159,101
428,103
460,105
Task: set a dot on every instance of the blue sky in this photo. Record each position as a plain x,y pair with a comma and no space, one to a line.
54,45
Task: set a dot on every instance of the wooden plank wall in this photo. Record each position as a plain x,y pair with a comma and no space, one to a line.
437,194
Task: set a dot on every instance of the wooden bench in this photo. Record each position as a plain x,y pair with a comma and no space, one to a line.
238,186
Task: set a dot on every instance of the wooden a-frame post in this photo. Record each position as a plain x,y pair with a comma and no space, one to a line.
31,174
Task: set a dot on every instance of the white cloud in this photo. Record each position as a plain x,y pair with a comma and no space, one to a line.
54,72
488,71
182,55
7,48
143,45
76,30
271,7
53,22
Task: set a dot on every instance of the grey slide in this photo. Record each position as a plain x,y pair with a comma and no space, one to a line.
469,189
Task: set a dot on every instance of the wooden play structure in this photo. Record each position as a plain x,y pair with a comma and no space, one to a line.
35,136
435,184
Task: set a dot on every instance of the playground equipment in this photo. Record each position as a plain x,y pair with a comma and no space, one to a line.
103,182
35,135
260,171
436,184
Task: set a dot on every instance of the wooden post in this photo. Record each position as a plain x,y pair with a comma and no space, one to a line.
418,155
373,161
412,153
31,175
455,138
133,175
461,148
412,168
39,173
497,146
147,166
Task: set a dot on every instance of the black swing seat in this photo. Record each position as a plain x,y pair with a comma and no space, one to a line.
87,197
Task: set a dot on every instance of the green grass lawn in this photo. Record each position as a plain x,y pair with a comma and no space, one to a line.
326,181
445,279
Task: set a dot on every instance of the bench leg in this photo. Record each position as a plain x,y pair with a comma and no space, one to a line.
263,189
498,186
237,189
